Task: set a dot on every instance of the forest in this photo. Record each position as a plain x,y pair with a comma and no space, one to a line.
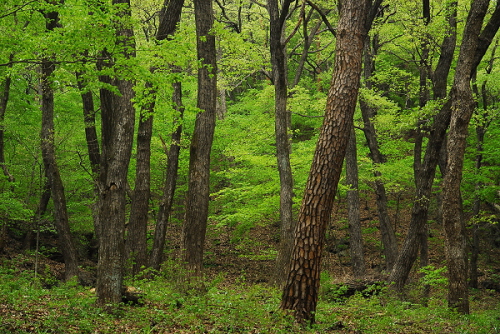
249,166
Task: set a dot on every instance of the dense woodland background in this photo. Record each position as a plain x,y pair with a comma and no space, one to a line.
82,82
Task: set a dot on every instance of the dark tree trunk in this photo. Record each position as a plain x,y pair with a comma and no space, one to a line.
300,294
195,221
356,237
66,246
386,230
170,183
117,135
170,16
136,245
92,143
282,127
462,107
425,170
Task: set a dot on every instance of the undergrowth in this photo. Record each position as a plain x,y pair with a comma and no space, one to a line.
170,306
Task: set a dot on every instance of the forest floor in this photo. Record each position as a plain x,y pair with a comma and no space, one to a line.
238,295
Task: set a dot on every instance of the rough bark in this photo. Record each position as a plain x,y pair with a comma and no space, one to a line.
356,237
463,105
300,294
65,242
117,124
195,221
282,127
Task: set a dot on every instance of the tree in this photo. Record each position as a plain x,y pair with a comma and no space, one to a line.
169,18
300,293
356,237
52,173
117,123
196,209
282,129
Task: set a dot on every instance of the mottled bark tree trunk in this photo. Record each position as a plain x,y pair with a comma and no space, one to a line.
66,245
195,221
300,294
462,107
282,127
356,237
117,135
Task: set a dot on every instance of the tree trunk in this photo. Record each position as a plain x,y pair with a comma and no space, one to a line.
425,170
170,183
386,230
66,246
356,240
195,221
462,107
282,127
300,294
92,143
117,119
138,221
167,26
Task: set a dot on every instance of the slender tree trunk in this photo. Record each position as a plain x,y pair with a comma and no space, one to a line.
117,135
282,128
92,143
170,183
66,246
195,221
300,294
170,16
425,170
136,245
388,236
356,240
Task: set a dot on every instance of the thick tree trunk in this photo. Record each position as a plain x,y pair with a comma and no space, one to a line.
66,246
195,221
300,294
463,105
356,237
282,130
117,118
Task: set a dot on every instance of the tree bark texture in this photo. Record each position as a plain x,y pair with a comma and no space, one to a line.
66,245
300,294
356,237
195,221
462,107
388,236
117,123
282,128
